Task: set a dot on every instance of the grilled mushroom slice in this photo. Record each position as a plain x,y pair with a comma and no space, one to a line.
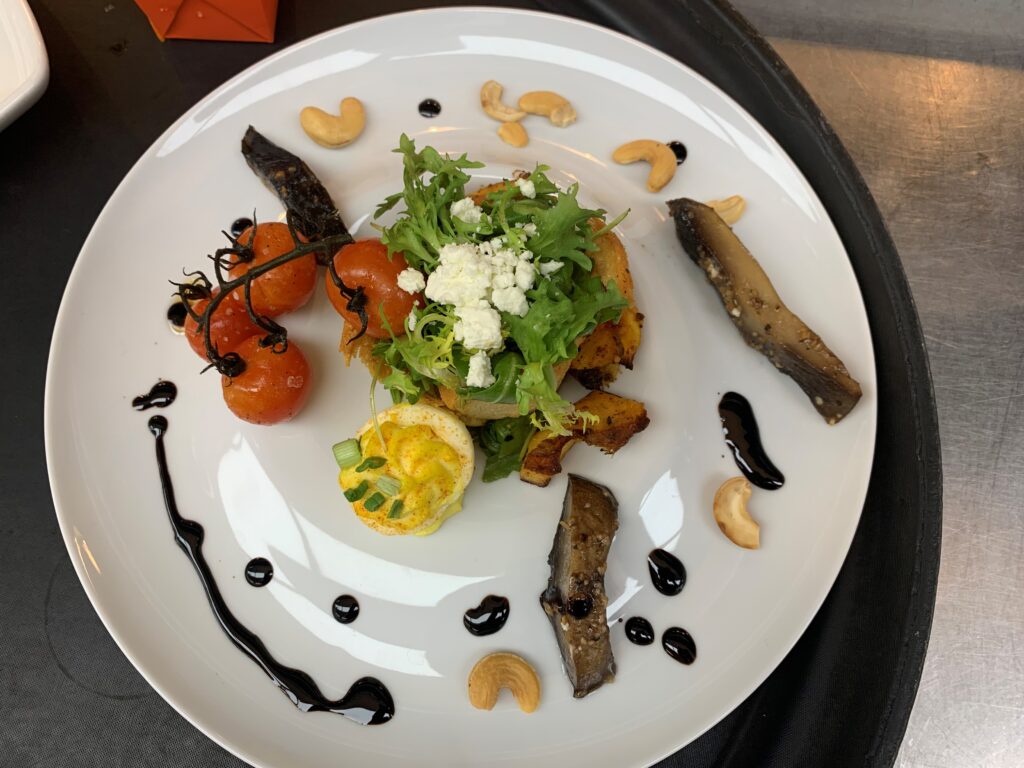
575,600
762,318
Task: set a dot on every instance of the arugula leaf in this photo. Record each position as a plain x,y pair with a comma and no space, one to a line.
504,444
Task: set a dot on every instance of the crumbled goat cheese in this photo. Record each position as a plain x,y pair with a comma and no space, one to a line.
550,267
526,273
467,211
479,371
462,277
527,188
530,229
478,327
411,280
511,300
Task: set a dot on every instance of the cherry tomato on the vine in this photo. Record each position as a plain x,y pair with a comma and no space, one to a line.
230,325
272,388
365,264
284,288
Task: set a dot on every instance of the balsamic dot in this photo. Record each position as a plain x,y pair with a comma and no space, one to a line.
345,609
430,108
679,644
639,631
238,226
176,314
259,572
679,149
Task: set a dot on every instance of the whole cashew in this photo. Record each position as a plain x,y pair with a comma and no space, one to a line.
660,156
730,208
334,130
514,134
490,100
730,507
555,108
504,670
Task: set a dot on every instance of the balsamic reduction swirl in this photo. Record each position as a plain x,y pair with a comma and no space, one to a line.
367,702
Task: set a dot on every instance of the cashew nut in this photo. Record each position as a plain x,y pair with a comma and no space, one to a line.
504,670
731,513
490,100
730,209
514,134
660,156
555,108
334,130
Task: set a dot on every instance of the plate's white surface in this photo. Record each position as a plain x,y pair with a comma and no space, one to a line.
271,491
24,68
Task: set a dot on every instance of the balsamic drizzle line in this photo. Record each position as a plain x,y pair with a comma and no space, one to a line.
367,702
160,395
743,437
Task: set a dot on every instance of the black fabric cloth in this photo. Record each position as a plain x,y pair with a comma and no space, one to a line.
840,698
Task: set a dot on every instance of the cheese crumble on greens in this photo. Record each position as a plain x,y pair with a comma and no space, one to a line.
507,283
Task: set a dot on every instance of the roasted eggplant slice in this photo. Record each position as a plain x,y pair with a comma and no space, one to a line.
296,186
758,312
575,600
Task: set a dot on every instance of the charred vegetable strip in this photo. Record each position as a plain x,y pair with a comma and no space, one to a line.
300,191
762,318
575,599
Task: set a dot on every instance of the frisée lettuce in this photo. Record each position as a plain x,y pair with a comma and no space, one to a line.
518,259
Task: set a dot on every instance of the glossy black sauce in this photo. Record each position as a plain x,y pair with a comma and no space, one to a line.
259,572
667,572
679,149
176,314
580,607
639,631
367,702
678,643
160,396
430,108
488,617
238,226
744,440
345,609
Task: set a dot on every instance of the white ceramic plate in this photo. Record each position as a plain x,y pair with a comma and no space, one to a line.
24,68
271,491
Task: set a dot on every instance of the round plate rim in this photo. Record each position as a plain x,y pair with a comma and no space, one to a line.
61,319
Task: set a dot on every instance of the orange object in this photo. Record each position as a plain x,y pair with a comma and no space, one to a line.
243,20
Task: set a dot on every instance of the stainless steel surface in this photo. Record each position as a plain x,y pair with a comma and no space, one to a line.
940,141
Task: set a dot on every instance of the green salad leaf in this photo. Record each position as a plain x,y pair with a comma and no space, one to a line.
562,305
504,444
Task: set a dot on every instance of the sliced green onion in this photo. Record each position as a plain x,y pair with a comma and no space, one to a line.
396,509
347,453
355,494
388,485
374,503
371,462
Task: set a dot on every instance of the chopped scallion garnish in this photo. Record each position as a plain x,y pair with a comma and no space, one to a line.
374,503
388,485
371,462
347,453
355,494
396,509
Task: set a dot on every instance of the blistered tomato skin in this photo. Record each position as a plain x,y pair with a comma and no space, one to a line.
230,325
272,388
284,288
365,264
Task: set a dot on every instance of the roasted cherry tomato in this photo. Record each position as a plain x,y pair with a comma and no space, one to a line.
285,288
365,264
272,388
230,325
